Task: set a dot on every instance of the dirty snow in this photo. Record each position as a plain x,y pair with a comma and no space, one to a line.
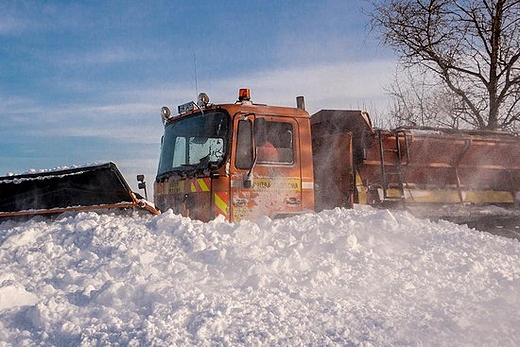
361,277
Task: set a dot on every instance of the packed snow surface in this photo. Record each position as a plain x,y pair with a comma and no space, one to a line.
361,277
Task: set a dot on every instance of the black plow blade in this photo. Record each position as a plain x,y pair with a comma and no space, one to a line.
83,188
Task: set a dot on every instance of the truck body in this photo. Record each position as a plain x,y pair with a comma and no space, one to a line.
246,160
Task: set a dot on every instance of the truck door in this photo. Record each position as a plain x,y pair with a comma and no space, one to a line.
267,175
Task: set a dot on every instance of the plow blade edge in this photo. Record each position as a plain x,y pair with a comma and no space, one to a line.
96,187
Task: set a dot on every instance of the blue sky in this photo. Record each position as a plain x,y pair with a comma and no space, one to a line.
83,82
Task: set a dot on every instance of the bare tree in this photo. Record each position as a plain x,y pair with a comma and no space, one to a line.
471,46
421,100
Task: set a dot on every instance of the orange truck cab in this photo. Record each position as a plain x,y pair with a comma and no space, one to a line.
238,160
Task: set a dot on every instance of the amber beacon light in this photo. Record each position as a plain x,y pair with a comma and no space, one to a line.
244,94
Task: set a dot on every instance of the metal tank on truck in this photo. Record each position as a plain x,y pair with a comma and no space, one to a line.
429,171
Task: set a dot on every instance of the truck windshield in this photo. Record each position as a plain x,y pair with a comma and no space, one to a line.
191,144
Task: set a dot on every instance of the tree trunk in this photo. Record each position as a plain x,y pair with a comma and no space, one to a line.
496,33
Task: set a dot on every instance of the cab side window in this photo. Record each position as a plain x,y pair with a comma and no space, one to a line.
275,143
244,154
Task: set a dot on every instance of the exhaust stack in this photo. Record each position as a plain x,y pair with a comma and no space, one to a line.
300,102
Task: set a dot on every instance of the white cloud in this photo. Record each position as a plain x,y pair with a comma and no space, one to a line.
133,115
343,85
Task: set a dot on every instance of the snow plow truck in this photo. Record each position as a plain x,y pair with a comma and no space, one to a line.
244,160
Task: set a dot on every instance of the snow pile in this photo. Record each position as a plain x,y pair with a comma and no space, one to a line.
360,277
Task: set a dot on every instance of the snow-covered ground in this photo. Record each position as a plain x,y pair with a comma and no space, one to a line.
361,277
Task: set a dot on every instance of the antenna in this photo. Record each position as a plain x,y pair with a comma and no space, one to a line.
196,80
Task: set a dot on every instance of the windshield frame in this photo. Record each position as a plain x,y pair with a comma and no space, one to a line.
195,144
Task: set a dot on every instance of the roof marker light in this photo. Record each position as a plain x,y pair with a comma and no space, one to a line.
203,100
166,114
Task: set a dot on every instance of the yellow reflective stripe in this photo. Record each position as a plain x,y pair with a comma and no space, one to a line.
362,190
221,204
203,186
199,185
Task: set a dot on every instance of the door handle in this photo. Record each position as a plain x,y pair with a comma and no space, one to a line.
292,201
239,202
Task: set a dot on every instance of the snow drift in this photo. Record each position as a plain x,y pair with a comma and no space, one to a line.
360,277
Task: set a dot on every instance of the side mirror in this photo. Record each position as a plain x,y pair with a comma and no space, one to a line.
260,129
142,185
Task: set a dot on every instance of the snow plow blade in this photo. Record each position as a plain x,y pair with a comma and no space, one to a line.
98,187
